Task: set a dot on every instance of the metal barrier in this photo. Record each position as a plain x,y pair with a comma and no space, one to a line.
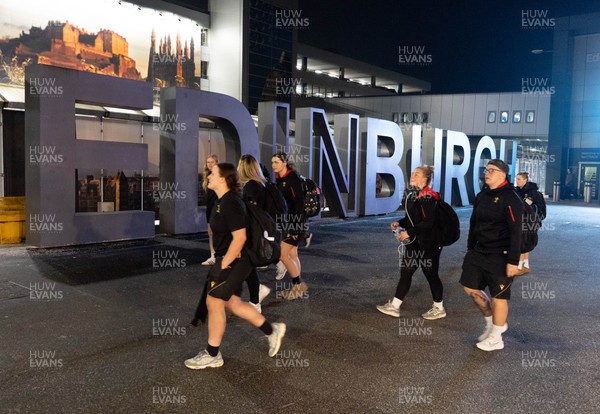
556,191
587,192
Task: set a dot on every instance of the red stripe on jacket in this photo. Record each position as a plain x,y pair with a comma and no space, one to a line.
511,213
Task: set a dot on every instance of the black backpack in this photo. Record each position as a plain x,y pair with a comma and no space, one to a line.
532,221
541,209
448,225
538,204
312,197
275,203
263,243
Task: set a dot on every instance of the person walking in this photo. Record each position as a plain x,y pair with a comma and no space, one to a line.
232,267
422,244
531,195
253,191
211,199
294,224
493,250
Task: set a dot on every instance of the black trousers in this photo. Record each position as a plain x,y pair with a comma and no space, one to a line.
429,261
253,285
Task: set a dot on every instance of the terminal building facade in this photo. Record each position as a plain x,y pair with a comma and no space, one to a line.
574,125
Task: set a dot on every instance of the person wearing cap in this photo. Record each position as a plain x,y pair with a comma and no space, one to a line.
493,250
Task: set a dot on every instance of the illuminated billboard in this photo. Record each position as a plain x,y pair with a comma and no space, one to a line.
106,37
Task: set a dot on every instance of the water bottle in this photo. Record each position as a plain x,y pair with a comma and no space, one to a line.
397,231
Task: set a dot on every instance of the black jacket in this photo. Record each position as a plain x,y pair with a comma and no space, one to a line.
421,206
531,193
496,222
290,186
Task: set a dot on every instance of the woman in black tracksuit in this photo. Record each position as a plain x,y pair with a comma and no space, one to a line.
422,247
253,191
232,267
294,224
530,195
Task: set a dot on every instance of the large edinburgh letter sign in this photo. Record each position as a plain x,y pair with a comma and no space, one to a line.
179,149
346,164
51,94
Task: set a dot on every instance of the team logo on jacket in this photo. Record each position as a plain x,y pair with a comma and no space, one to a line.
501,286
496,199
212,284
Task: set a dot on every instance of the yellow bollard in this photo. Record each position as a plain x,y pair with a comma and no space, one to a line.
12,220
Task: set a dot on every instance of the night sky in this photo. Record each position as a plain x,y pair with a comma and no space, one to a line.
474,46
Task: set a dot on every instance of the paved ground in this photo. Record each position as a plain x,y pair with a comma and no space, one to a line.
104,329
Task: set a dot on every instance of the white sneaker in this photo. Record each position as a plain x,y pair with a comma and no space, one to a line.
257,306
263,292
276,337
488,330
204,360
434,313
308,239
491,343
210,261
281,270
389,309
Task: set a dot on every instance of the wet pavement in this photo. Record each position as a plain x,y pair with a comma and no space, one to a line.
105,329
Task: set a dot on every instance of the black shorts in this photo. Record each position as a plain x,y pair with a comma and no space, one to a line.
292,239
486,270
224,283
